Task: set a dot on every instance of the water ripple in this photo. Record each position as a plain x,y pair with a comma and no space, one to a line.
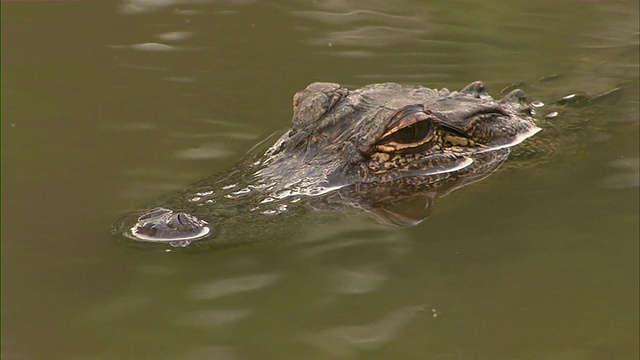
208,151
210,352
630,176
340,18
369,36
358,281
150,46
209,318
348,340
175,35
134,7
225,287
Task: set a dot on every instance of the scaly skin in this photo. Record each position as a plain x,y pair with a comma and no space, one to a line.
374,148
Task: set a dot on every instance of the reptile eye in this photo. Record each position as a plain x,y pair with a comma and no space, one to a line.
408,133
411,134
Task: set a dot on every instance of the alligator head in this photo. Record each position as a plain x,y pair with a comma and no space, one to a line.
380,142
387,132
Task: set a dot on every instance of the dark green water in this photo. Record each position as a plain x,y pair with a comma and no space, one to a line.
109,105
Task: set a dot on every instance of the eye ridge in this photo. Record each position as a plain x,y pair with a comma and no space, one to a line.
411,134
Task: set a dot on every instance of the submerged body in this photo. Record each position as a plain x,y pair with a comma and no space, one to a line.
386,148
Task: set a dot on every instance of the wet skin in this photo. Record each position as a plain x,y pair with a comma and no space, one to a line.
377,146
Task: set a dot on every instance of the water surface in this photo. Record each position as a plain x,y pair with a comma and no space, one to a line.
108,106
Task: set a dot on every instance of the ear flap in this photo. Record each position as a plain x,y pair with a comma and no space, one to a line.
312,103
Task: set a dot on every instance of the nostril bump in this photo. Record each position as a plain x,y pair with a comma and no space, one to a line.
165,225
183,218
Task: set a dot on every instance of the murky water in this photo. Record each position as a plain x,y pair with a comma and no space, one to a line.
108,106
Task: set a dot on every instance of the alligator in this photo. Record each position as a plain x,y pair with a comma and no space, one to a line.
388,149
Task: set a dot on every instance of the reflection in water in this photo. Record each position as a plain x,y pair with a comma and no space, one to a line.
388,29
351,339
120,306
232,303
629,176
212,318
133,7
232,286
359,280
210,352
209,151
154,47
175,36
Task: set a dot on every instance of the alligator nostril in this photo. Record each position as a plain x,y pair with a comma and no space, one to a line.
183,218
